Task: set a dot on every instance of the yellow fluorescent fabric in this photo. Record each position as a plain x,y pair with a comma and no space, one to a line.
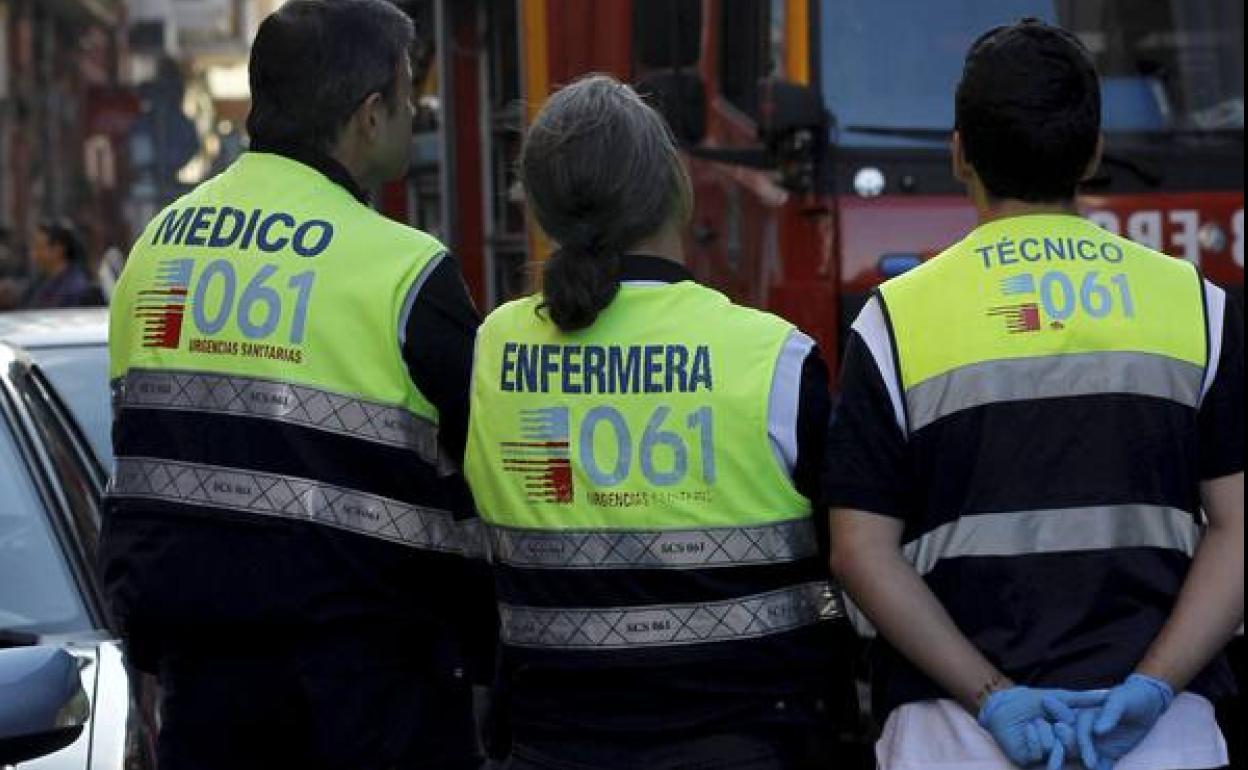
655,418
1042,285
271,271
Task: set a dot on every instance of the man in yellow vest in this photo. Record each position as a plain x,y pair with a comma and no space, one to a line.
290,376
1036,470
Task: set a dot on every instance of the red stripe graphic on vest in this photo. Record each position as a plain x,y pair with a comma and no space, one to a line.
1019,318
163,306
544,457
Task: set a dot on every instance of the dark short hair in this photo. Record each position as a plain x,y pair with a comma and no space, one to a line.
1028,109
314,61
601,173
61,232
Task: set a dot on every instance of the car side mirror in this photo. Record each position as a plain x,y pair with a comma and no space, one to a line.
793,126
43,706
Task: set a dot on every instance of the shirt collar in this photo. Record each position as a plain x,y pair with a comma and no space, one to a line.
645,267
317,160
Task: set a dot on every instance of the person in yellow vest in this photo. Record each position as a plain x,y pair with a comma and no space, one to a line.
290,370
1036,470
643,452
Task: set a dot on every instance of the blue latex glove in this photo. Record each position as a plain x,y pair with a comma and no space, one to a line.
1066,744
1018,720
1064,708
1131,709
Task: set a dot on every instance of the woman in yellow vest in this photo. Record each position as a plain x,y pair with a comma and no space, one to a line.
642,450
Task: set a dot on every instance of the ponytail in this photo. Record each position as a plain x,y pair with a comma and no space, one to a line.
578,282
601,174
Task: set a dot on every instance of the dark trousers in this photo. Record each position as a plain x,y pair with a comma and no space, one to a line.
763,751
311,711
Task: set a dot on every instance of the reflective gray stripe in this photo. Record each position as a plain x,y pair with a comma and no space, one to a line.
1215,313
281,402
1058,530
1046,531
782,403
412,293
677,549
1076,374
289,497
472,536
832,603
607,628
872,327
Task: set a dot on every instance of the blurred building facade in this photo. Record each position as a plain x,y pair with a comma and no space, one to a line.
64,110
110,109
188,61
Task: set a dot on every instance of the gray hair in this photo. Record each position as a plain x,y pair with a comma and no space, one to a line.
601,173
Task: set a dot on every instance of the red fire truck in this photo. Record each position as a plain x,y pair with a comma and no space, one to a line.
816,132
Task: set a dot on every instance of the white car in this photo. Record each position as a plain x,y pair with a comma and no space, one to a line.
53,618
71,348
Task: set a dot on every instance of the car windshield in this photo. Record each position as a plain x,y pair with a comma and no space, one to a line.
37,591
80,375
889,68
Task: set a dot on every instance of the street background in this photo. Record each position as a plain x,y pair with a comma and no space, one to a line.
815,132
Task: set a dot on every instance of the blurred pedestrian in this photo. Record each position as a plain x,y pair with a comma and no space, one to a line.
61,276
281,543
1036,467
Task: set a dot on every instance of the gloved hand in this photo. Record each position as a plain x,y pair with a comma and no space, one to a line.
1066,743
1067,723
1018,720
1064,709
1131,709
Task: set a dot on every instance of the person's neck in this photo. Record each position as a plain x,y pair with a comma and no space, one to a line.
355,165
327,163
666,244
992,210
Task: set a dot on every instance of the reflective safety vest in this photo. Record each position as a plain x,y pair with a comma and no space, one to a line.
986,320
269,299
626,475
1026,356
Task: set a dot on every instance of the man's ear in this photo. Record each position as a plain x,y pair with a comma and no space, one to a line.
957,157
1095,163
367,119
